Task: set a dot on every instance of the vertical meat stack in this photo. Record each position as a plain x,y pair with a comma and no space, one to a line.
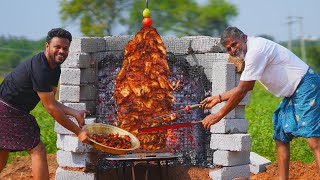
142,88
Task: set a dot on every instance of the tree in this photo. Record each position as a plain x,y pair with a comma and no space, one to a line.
313,58
180,17
96,17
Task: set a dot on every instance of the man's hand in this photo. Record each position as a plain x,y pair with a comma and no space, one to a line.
80,116
83,137
210,120
210,102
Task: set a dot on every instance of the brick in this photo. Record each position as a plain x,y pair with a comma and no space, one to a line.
230,126
258,163
78,60
117,43
74,76
59,129
62,174
231,158
76,160
231,142
229,173
88,44
71,143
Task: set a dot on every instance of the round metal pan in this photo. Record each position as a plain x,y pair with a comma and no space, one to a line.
99,128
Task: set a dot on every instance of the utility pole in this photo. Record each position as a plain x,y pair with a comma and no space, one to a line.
290,32
302,45
291,20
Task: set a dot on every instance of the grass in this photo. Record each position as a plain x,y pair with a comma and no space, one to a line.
258,113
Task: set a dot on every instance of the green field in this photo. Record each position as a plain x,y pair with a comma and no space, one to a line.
258,113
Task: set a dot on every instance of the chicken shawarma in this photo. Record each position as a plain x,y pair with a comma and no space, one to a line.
142,89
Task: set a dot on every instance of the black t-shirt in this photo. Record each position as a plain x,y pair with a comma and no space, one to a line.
20,87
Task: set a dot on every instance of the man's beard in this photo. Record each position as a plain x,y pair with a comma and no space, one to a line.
240,54
57,62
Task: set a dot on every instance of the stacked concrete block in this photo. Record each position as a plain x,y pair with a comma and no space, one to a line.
78,90
229,139
74,157
79,71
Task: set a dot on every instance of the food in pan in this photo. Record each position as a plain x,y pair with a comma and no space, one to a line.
113,140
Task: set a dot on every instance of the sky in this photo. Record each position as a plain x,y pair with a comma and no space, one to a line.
34,18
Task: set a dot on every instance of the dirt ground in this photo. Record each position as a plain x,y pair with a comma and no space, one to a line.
20,169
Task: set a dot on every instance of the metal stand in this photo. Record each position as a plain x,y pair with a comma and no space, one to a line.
134,158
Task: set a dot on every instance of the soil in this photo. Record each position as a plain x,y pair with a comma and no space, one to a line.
20,169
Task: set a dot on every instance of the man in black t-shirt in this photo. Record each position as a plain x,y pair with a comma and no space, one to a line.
34,80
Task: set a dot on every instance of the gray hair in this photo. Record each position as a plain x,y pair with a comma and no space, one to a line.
230,32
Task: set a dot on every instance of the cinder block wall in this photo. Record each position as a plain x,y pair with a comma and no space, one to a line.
230,142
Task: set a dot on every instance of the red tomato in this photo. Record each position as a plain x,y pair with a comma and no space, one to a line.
187,108
147,21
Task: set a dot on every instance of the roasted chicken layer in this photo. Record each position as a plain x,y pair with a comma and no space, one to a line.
142,89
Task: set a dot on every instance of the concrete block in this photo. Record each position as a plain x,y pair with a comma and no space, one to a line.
88,44
258,163
230,126
88,92
117,43
77,106
206,60
74,76
98,56
70,93
230,173
239,111
223,79
231,158
91,106
63,174
246,99
231,142
205,44
78,60
71,143
59,129
178,46
75,160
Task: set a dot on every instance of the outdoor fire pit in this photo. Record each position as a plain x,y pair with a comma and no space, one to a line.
88,80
